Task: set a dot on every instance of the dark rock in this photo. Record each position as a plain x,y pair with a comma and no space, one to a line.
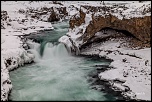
146,62
125,74
124,60
4,15
8,62
53,17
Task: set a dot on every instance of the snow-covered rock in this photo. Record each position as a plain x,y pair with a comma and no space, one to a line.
131,66
133,17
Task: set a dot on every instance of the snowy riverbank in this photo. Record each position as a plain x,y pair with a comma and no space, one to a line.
13,53
131,68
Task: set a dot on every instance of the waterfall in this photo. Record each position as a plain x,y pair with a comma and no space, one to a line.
47,50
42,46
54,51
55,76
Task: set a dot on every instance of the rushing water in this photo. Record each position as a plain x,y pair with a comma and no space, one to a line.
56,75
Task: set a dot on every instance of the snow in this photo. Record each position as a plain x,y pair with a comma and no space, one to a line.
65,40
21,24
120,86
105,33
132,66
78,4
133,9
11,45
88,18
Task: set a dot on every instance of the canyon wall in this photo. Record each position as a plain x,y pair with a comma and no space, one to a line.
140,27
136,20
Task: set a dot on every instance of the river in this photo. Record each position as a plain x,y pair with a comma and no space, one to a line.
56,75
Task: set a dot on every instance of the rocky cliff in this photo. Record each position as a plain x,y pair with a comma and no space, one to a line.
135,20
139,27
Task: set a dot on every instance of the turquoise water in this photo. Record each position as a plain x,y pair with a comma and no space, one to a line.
56,75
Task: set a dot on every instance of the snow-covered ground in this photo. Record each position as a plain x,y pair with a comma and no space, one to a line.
131,67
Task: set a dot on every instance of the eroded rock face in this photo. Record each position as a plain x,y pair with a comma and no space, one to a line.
77,20
139,27
54,16
47,14
137,22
